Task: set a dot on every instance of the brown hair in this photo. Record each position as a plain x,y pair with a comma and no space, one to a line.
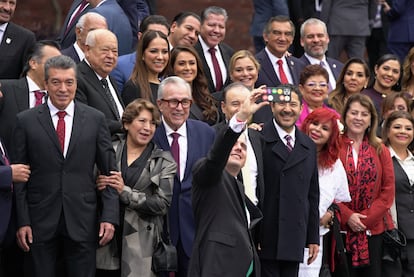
133,109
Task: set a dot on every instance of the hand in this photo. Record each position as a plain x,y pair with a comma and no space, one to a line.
20,172
326,218
106,233
249,106
354,222
313,253
256,126
114,180
24,237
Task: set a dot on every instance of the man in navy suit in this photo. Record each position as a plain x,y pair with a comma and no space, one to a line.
88,22
290,208
314,39
212,34
195,139
15,42
8,174
57,208
67,34
278,36
117,21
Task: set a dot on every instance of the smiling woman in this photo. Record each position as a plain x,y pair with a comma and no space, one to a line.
185,63
313,85
151,62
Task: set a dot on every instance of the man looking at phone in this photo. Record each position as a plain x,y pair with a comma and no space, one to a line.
290,206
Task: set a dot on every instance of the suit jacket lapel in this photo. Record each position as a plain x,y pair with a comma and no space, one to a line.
77,127
271,136
291,65
22,95
269,70
299,152
47,124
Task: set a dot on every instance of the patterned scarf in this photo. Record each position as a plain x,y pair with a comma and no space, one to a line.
361,182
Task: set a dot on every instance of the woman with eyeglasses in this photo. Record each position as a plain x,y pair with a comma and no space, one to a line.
144,185
313,84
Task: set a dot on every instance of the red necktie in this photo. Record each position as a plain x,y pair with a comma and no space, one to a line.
282,75
39,97
217,71
175,151
60,129
74,18
289,146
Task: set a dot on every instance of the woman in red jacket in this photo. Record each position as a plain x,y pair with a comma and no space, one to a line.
370,174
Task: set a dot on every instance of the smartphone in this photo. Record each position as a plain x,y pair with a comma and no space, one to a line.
277,94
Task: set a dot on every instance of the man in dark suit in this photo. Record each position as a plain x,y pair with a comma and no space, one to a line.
277,68
117,22
100,59
184,29
57,209
214,53
67,35
194,141
290,208
15,42
314,39
233,97
21,94
88,22
8,174
223,245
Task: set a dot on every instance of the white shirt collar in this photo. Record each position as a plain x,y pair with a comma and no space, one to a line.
32,85
168,130
394,154
79,51
282,133
313,60
205,46
70,109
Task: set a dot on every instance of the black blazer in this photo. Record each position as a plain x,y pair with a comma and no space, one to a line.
64,184
14,48
223,245
256,141
226,52
5,196
91,92
71,52
290,208
15,99
67,39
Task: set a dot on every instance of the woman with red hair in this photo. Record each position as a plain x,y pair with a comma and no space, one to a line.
323,128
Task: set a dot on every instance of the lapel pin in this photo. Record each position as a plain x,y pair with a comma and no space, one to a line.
334,65
8,40
292,63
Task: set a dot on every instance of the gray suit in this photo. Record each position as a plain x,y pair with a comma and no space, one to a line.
348,26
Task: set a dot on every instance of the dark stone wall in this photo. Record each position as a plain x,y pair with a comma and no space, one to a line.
44,17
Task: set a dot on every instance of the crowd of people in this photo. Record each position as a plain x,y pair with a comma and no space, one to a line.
109,153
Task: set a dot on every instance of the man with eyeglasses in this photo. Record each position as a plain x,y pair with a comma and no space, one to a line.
188,140
277,67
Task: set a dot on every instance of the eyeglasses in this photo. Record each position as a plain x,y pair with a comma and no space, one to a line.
314,85
173,103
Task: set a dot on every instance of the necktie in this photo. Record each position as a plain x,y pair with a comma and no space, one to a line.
60,129
282,75
39,97
74,18
289,146
217,71
175,151
323,64
108,94
3,154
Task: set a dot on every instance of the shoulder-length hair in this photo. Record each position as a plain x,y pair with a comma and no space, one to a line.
371,131
330,151
199,87
407,74
139,75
